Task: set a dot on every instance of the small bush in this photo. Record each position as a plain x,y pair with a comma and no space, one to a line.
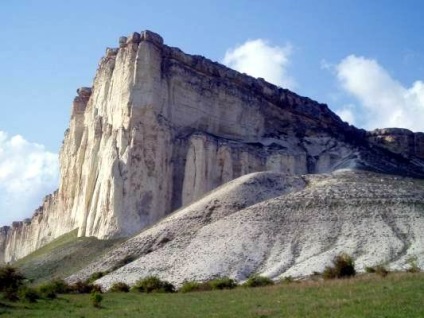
10,281
287,280
258,281
59,286
153,284
47,291
379,270
192,286
413,265
370,269
189,286
96,299
81,287
120,287
28,294
96,288
52,288
222,283
343,266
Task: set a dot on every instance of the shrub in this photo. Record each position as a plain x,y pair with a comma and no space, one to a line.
189,286
222,283
96,299
381,270
28,294
192,286
413,265
287,280
81,287
370,269
378,269
153,284
59,286
217,283
10,281
258,281
52,288
47,291
120,287
343,266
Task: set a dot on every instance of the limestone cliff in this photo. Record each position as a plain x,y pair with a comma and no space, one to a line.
160,128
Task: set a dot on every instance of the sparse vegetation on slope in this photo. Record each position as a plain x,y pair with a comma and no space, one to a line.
62,257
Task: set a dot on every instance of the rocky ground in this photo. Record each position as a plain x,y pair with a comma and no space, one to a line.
278,226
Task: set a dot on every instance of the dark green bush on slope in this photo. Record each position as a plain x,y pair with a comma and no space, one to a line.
343,266
378,269
96,299
258,281
153,284
56,286
222,283
28,294
119,287
10,282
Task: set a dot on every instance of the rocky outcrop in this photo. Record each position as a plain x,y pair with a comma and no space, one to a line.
400,141
160,128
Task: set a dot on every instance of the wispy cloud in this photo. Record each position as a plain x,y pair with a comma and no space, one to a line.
259,58
382,100
347,114
27,173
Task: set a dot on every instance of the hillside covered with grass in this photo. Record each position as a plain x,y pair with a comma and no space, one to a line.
63,256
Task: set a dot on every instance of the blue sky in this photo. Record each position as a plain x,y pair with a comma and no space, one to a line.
365,59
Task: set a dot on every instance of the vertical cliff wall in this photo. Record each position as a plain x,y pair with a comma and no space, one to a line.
160,128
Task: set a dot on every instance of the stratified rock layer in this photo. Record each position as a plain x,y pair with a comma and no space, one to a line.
160,128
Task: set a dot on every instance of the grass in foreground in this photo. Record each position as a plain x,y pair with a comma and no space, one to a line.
397,295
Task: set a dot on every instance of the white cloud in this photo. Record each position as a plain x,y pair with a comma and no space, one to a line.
384,102
259,59
347,114
27,173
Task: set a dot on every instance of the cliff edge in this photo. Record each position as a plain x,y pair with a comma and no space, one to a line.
159,128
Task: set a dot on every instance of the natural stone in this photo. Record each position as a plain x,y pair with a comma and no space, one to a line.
134,38
278,226
122,41
160,128
400,141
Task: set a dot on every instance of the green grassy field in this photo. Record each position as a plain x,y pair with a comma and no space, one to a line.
397,295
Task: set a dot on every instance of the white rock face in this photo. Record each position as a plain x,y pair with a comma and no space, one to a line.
159,128
296,227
